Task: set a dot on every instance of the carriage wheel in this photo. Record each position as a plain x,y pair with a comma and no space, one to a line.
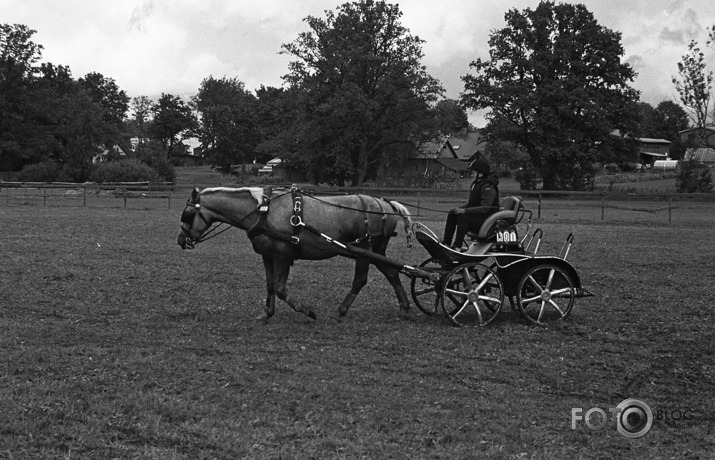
546,294
471,294
424,291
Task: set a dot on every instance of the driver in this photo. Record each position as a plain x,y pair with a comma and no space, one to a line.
483,201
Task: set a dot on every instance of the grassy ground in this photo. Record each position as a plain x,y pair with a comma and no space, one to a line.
116,344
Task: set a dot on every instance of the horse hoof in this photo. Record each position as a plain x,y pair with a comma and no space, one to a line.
337,317
403,314
263,318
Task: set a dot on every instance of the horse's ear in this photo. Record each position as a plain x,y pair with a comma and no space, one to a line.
195,194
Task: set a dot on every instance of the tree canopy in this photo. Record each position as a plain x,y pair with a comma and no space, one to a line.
362,88
555,85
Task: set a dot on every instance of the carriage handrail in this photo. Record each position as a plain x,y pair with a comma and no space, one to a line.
538,241
566,247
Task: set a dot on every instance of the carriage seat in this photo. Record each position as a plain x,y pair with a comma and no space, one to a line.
504,218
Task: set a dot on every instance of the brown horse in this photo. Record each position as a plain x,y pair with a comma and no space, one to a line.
282,228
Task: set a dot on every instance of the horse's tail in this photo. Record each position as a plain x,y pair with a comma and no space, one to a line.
406,219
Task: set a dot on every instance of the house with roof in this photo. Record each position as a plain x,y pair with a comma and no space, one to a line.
436,158
702,142
466,145
652,150
698,137
106,154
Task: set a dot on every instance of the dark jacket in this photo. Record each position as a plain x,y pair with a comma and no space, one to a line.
483,197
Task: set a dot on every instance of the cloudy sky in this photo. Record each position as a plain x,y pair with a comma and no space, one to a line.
155,46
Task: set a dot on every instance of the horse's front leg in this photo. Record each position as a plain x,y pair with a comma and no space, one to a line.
362,267
281,270
270,289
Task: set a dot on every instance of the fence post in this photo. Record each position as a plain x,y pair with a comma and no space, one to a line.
603,206
168,197
125,197
44,196
670,209
419,196
84,198
538,213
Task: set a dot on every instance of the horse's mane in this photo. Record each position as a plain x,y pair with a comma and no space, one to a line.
256,192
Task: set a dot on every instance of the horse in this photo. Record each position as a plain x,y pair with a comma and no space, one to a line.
282,227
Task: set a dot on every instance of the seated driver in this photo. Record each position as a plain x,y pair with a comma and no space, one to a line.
483,201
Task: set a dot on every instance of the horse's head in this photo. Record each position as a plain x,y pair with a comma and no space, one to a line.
194,223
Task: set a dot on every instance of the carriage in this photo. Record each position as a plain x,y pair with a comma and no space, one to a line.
469,285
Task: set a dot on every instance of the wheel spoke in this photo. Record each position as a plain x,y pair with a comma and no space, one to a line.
553,304
535,284
479,313
550,279
457,293
461,309
541,311
531,299
485,298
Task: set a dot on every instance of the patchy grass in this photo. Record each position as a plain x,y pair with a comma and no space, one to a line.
116,344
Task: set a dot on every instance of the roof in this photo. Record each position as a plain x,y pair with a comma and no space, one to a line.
703,154
664,155
710,128
454,164
648,140
433,150
465,146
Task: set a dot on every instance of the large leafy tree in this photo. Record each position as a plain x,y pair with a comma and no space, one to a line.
173,121
106,93
362,89
555,85
18,56
228,121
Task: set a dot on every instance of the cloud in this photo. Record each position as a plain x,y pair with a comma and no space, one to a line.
139,14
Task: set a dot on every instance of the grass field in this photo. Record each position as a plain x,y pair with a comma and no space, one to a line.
116,344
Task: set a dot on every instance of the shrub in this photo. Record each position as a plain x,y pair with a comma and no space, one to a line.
693,177
163,167
45,171
130,170
528,178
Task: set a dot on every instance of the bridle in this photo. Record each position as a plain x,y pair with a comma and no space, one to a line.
194,208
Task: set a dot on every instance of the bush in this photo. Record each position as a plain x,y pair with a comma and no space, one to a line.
163,167
528,178
693,177
130,170
45,171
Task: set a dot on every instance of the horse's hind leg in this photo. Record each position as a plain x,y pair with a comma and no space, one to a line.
281,270
270,289
362,266
393,276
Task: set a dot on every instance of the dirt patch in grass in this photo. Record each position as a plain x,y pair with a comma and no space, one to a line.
116,344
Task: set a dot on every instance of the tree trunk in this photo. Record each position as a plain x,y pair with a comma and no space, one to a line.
361,166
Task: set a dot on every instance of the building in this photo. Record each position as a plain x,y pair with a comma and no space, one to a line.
651,150
698,137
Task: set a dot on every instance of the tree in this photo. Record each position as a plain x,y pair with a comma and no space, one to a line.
451,118
555,85
228,121
173,118
113,101
141,109
18,56
362,89
694,84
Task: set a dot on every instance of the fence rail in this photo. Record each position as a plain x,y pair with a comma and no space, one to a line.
107,194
